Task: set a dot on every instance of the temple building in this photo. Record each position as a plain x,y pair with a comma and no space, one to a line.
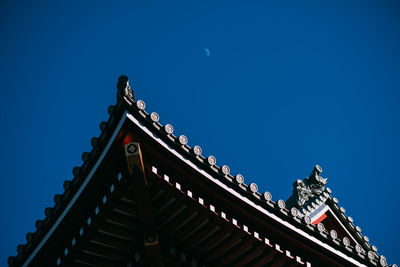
144,197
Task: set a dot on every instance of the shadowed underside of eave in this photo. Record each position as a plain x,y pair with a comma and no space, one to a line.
190,233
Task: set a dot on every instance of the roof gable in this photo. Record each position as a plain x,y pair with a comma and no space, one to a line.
315,203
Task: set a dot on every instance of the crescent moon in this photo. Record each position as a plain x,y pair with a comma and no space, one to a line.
207,52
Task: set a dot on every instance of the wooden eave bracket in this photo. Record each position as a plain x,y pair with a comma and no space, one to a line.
145,212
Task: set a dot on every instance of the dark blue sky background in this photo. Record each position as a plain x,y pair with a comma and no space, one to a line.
287,85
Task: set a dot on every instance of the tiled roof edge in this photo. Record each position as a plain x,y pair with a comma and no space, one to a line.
250,191
70,186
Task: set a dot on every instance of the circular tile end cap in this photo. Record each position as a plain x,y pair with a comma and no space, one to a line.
346,241
225,170
267,196
141,105
321,227
211,160
168,128
197,150
294,212
281,204
239,178
253,187
183,140
154,117
333,234
371,255
382,260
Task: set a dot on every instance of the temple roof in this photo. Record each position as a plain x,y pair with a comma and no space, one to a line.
295,215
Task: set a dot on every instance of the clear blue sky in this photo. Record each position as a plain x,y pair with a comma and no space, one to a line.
287,85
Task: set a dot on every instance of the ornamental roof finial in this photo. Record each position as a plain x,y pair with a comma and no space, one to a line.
309,187
315,181
124,90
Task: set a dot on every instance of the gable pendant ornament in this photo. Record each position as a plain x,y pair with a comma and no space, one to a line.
133,156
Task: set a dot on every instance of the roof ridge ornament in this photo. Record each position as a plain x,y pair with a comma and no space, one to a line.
124,91
311,186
